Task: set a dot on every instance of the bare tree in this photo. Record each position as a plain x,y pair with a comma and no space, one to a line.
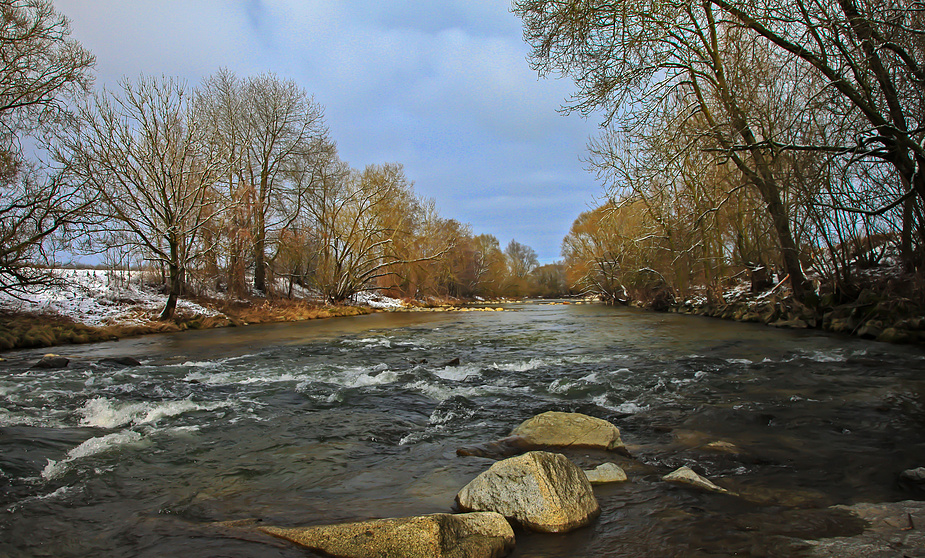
272,130
153,166
42,70
362,221
871,61
521,259
644,63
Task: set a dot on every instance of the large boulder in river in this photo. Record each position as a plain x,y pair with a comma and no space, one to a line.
52,362
557,429
540,490
442,535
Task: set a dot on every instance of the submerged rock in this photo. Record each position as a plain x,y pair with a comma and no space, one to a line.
916,475
52,361
499,449
685,475
557,429
723,447
121,361
540,490
606,473
894,529
470,535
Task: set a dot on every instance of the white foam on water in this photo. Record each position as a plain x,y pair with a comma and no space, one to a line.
560,386
7,390
821,356
59,493
591,378
738,361
366,379
17,419
523,366
564,386
202,364
90,447
627,407
413,438
369,342
103,413
458,373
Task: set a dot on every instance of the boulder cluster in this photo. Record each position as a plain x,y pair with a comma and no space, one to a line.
539,490
871,316
542,490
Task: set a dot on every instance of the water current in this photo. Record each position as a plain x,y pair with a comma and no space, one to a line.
359,418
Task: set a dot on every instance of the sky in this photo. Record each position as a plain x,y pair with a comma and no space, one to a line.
443,87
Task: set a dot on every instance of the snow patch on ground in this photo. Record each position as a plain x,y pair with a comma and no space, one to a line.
376,300
99,297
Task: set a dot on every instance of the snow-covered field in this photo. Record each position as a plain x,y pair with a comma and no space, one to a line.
98,297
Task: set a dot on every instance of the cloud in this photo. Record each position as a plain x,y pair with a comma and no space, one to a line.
442,87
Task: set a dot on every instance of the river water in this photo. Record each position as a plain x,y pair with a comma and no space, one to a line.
358,418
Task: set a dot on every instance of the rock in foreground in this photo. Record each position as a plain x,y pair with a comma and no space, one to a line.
895,531
470,535
557,429
542,491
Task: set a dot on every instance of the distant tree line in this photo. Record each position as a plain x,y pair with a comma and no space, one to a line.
744,138
233,187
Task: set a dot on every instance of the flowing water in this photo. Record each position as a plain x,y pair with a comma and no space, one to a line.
358,418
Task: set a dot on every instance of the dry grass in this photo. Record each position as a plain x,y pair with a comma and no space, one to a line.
28,330
261,311
23,330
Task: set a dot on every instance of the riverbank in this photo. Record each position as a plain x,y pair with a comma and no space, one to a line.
875,314
26,329
89,305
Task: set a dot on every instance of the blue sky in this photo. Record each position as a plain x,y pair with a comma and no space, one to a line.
443,87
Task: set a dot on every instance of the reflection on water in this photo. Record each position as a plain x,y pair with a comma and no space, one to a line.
356,418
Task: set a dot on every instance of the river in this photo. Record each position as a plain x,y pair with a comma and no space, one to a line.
357,418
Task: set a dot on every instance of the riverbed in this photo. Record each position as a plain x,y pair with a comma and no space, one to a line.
358,418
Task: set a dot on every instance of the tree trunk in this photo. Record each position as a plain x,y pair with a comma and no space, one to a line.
173,293
260,271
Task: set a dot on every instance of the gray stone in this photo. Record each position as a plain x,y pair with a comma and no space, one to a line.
871,330
895,530
52,361
606,473
470,535
540,490
916,475
685,475
557,429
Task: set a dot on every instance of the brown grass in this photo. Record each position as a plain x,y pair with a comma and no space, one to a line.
261,311
23,330
28,330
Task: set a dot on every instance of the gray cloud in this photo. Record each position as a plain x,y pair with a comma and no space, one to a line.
442,87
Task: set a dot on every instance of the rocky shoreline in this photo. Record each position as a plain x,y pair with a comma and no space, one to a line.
871,316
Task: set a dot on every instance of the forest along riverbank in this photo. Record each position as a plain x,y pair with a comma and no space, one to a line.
335,421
